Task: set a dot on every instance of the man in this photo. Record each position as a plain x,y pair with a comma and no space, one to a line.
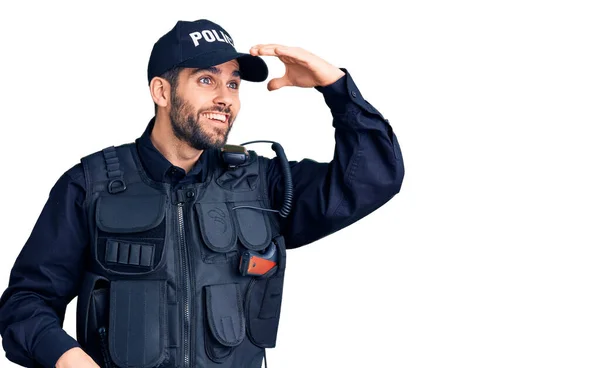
176,244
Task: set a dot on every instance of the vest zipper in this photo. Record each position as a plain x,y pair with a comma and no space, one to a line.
104,348
185,286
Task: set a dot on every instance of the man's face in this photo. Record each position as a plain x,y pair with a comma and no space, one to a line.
205,105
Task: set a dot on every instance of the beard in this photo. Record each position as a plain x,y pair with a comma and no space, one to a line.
187,127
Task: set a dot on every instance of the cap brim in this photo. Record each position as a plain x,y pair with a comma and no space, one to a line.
252,68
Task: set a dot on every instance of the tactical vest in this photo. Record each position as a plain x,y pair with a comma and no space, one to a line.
163,286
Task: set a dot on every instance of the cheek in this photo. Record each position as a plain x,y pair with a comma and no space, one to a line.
197,101
235,107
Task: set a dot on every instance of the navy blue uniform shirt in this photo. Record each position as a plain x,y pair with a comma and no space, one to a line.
366,171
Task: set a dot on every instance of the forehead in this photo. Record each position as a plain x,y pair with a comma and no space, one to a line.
227,70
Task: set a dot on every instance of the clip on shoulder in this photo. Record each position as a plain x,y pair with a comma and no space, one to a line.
234,155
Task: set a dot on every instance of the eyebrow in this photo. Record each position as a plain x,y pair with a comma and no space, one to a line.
214,70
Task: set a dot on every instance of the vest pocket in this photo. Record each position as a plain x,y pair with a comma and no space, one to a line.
226,231
216,226
216,232
137,330
92,314
263,302
131,232
254,228
225,323
263,306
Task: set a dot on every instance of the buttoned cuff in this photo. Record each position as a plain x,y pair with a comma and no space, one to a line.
52,345
343,96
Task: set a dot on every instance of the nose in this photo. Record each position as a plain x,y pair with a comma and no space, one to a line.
223,97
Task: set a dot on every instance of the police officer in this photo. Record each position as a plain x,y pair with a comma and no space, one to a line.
175,244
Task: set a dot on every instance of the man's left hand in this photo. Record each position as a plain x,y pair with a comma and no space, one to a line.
302,68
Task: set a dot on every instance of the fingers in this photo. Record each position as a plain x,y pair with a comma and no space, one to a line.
277,83
266,45
289,55
263,50
270,49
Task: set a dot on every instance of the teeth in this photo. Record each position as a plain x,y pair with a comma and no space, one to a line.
216,117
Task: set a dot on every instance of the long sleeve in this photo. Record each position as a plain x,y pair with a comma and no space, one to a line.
45,278
366,171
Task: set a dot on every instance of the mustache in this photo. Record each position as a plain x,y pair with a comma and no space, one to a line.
217,109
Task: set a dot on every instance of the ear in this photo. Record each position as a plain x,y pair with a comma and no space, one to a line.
160,90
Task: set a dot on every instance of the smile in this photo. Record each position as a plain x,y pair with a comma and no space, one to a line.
223,118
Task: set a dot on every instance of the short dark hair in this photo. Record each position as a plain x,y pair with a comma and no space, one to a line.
172,76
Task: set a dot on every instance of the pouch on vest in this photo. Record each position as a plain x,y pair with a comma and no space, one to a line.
137,330
225,230
217,231
225,325
131,232
263,302
92,312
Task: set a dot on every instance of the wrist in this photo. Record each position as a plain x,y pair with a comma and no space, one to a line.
333,76
52,345
62,362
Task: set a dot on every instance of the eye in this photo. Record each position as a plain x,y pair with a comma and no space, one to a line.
203,79
235,85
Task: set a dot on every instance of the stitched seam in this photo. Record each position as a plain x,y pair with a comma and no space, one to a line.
351,173
263,175
128,326
145,322
240,306
88,184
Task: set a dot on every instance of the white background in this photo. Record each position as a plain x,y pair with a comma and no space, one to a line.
489,255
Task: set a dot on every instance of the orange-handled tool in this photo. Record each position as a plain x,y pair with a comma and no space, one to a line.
256,264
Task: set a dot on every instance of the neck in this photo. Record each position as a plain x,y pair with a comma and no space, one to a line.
179,153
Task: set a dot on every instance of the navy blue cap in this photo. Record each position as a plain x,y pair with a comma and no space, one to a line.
200,44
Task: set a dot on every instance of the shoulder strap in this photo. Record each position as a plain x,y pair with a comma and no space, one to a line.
110,169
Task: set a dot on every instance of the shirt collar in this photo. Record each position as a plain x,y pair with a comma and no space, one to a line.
162,170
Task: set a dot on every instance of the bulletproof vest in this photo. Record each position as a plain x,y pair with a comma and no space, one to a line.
163,285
